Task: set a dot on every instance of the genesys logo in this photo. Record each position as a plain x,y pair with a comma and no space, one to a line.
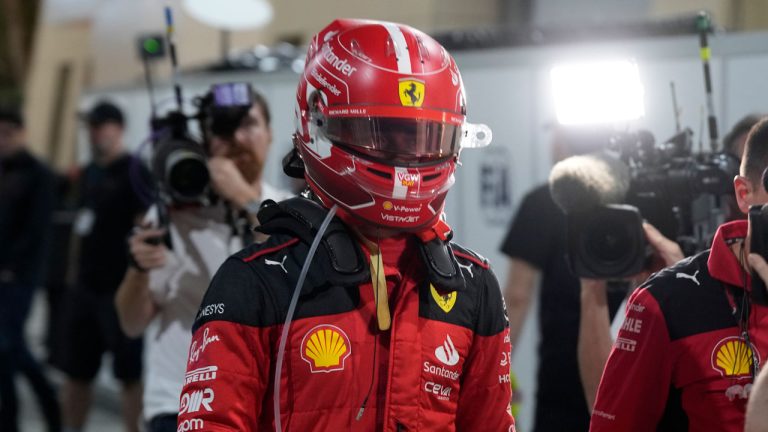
442,392
212,309
194,401
198,347
190,425
447,353
207,373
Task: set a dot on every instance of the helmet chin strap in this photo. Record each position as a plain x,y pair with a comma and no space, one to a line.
440,230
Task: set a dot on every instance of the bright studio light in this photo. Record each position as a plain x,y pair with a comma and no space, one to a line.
597,93
231,14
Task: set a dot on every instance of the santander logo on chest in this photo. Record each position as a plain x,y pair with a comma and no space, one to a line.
447,353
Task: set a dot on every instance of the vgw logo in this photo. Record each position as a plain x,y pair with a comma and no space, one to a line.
408,179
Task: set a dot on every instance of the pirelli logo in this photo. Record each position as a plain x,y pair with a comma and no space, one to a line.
207,373
625,344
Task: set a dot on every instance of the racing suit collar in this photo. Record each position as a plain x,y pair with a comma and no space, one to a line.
723,264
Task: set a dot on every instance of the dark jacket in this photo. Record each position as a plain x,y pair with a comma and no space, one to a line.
26,204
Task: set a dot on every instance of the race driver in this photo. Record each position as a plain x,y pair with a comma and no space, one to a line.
691,342
395,327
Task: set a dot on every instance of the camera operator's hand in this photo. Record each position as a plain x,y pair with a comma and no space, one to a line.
229,183
667,250
147,256
665,253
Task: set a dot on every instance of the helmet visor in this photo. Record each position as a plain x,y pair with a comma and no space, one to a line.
395,139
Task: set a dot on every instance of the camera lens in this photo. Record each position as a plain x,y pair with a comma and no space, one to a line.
187,175
606,240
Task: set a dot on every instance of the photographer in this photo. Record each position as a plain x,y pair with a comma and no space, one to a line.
689,347
163,289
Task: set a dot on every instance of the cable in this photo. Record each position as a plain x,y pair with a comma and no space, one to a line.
744,319
376,336
292,310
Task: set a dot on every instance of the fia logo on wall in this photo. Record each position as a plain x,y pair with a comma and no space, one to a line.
496,184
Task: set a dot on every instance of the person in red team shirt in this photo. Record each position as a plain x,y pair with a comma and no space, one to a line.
395,328
691,345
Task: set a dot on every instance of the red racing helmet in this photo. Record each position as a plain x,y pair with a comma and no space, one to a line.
380,121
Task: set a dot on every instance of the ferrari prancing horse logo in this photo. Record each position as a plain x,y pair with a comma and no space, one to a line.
411,92
444,301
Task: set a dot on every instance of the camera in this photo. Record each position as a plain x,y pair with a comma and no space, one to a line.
179,161
673,188
758,223
604,243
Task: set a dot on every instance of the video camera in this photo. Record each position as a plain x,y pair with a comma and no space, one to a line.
673,188
677,190
179,160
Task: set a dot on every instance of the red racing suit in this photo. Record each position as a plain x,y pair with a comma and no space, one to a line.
442,366
680,361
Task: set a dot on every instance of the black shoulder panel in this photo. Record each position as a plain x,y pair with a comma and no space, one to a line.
254,287
492,313
450,306
690,299
478,305
301,217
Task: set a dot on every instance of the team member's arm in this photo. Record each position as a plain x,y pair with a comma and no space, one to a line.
757,412
133,300
636,381
485,388
228,369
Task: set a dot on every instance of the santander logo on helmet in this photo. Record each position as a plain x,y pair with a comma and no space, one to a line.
380,123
